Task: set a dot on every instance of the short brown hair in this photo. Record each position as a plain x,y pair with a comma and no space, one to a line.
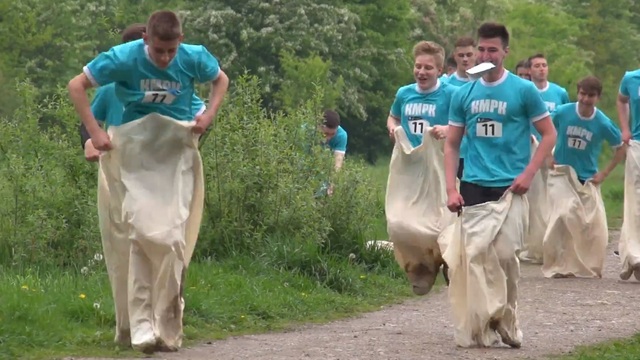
536,56
464,42
523,64
590,85
133,32
164,25
490,30
331,119
429,48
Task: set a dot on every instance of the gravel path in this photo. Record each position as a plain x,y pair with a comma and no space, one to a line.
555,315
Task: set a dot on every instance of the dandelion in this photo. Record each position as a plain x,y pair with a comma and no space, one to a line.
84,270
363,276
82,296
241,316
24,287
97,257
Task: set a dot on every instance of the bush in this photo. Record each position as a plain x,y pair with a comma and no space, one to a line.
262,171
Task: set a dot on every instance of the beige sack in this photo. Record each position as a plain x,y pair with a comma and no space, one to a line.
629,246
484,271
576,240
538,213
152,204
415,208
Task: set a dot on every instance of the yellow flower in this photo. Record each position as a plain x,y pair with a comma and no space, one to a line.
24,287
241,316
363,276
82,296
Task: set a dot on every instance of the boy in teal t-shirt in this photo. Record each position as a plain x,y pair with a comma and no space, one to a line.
582,128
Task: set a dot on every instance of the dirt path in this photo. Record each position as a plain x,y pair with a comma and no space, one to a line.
556,315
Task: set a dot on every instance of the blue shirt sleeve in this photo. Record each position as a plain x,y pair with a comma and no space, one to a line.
612,134
565,96
340,143
396,107
110,66
624,85
207,66
456,110
535,108
100,105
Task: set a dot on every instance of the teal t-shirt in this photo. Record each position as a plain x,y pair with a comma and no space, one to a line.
418,109
144,88
497,118
630,87
580,139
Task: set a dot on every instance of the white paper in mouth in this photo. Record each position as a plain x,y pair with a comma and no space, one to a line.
477,71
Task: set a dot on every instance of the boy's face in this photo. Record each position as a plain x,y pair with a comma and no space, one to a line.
539,69
588,98
523,72
465,57
328,132
162,52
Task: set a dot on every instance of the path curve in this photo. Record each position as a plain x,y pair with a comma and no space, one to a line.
555,315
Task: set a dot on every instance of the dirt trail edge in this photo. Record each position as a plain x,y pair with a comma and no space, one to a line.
555,315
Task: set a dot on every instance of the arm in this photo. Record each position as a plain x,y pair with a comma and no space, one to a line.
544,151
622,105
339,159
218,89
617,158
452,156
77,88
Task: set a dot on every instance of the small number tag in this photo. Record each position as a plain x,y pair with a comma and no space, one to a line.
489,128
577,143
417,127
158,97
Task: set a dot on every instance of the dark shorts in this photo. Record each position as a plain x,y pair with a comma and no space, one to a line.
473,194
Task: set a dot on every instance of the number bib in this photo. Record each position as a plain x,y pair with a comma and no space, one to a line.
577,143
417,127
488,128
158,97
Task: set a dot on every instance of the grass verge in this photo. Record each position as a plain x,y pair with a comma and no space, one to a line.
44,315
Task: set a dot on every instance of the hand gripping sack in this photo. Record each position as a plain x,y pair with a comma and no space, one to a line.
415,208
576,239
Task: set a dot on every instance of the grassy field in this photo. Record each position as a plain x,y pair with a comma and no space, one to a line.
47,313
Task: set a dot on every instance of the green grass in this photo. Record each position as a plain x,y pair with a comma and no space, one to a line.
54,313
628,349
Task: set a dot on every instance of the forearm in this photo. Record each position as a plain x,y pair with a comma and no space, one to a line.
623,115
339,160
80,100
543,152
392,122
218,90
451,162
617,159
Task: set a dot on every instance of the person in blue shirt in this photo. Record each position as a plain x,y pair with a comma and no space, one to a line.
464,54
582,128
496,111
107,108
156,74
553,94
424,103
335,137
628,106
